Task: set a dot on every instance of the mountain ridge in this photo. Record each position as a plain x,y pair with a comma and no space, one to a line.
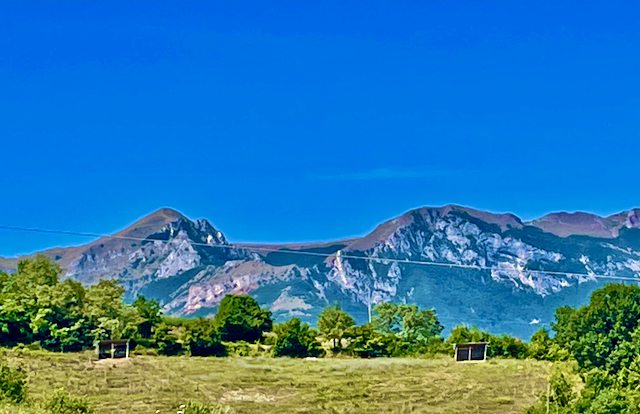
188,265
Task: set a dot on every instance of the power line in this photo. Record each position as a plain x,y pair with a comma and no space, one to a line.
318,254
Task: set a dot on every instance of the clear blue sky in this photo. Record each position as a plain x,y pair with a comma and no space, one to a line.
291,121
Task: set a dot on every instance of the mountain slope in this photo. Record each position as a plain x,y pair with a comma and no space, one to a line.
505,275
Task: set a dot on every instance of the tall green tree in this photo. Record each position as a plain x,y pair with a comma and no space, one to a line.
598,334
110,316
240,318
60,323
334,324
603,337
19,296
149,311
415,329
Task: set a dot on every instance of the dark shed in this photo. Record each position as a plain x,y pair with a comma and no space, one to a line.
112,348
471,351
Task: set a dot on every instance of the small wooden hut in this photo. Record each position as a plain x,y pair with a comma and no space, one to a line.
471,352
112,348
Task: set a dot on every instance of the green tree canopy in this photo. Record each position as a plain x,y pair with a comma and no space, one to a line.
296,339
149,311
599,333
240,318
414,328
462,333
110,316
367,342
334,324
604,339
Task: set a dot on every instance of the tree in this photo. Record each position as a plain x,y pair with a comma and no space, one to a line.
600,334
149,311
604,339
334,324
35,306
507,346
540,345
202,338
240,318
366,342
167,341
39,271
20,294
462,333
296,339
60,323
111,318
415,329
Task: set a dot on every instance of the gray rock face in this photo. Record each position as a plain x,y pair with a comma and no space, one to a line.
475,267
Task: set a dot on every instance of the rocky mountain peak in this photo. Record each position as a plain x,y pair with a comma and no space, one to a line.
428,217
151,223
633,218
503,220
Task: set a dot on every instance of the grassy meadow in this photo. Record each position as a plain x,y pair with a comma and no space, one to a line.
146,383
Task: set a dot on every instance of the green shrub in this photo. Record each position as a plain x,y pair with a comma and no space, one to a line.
202,338
13,384
367,342
507,346
62,403
246,349
269,338
296,339
194,407
169,347
240,348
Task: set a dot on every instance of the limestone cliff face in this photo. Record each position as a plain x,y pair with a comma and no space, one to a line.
189,265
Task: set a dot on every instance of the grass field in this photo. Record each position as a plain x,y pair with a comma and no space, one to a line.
144,384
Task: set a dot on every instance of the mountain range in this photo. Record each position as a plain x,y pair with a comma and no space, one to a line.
491,270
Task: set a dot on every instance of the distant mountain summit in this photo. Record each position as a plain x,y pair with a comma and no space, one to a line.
586,224
475,267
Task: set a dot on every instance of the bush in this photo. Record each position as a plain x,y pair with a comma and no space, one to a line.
13,384
240,348
508,346
366,342
560,398
296,339
206,348
194,407
246,349
240,318
169,347
202,338
62,403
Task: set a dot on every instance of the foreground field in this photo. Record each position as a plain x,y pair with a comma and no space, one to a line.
144,384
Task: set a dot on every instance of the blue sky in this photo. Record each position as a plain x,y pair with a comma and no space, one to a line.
291,121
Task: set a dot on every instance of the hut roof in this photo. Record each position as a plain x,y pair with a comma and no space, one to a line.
471,343
113,341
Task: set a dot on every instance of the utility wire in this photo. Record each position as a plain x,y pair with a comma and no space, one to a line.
317,254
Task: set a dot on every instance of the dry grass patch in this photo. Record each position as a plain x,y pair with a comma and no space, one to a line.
145,384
